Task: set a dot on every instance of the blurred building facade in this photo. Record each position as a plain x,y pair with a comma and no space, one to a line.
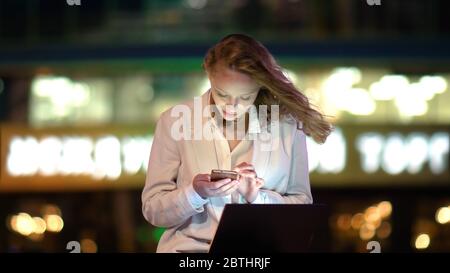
82,86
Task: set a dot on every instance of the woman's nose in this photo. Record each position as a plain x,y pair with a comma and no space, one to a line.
233,101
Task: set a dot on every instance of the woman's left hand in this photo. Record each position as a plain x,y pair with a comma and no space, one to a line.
249,182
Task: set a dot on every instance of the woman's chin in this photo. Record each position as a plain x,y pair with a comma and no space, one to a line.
229,117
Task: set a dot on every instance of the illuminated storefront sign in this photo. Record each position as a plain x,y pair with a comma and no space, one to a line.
350,156
366,156
105,157
393,154
73,158
396,153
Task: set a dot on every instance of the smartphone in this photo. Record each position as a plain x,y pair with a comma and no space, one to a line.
222,174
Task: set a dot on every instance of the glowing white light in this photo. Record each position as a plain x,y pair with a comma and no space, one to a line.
438,152
344,77
50,149
61,92
25,225
410,102
394,157
197,4
388,87
54,222
336,85
358,102
396,153
410,98
70,155
435,84
370,145
135,154
319,155
416,152
420,91
385,208
338,89
379,93
20,160
41,86
39,225
107,158
443,215
76,156
80,94
422,241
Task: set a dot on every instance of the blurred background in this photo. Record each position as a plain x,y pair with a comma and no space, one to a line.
83,82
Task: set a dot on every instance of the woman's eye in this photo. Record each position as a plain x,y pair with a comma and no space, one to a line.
222,95
245,98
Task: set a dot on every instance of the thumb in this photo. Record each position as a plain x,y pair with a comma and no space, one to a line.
260,181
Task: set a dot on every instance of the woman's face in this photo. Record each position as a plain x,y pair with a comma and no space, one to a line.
233,92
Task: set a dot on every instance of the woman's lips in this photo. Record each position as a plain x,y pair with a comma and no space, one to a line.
229,113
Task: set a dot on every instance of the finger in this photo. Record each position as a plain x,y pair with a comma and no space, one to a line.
260,182
247,171
202,176
201,179
219,183
246,168
229,191
250,174
228,186
256,181
243,165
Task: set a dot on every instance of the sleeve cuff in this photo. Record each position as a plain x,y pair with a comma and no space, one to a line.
194,198
260,199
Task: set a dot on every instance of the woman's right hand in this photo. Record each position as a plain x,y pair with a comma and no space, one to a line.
205,188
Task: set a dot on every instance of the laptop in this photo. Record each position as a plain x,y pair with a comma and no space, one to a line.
271,228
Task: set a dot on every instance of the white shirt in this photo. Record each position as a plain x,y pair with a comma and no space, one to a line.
243,152
169,199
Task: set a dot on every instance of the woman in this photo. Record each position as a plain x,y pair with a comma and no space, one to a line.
179,194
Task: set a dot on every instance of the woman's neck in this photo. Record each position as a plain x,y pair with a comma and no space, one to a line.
233,129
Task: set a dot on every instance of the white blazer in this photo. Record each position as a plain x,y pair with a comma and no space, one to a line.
174,163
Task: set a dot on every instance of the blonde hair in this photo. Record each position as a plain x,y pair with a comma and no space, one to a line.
246,55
